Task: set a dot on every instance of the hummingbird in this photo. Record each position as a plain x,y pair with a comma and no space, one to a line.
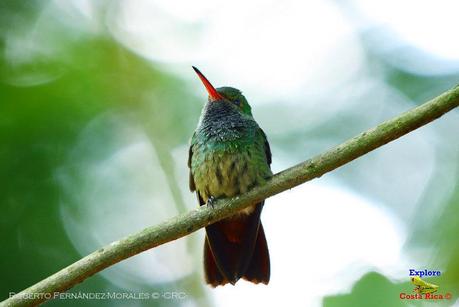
229,155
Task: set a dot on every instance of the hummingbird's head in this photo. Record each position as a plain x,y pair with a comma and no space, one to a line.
226,94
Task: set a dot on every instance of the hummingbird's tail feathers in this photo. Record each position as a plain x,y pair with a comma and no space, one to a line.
211,272
258,270
236,248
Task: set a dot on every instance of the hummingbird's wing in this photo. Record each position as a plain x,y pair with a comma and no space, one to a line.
267,148
190,155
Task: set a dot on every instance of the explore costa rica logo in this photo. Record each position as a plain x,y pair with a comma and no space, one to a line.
424,290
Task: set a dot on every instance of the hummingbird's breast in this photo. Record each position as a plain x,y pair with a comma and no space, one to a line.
228,156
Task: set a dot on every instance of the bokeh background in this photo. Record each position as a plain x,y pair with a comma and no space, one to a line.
98,101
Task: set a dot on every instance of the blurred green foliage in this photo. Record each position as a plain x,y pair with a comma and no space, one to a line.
373,289
39,124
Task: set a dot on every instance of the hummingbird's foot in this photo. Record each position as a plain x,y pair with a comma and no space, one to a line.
210,202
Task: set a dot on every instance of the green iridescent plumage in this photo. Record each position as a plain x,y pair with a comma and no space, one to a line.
229,155
229,149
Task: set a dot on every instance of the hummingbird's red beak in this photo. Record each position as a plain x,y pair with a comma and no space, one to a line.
213,94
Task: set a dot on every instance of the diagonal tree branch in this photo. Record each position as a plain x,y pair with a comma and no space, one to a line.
189,222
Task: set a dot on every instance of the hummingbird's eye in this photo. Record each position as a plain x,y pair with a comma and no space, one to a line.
237,102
